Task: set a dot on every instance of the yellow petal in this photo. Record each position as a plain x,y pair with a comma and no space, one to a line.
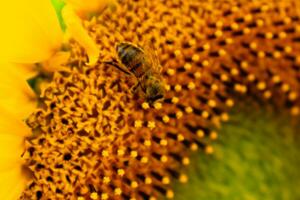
56,61
11,149
12,178
15,94
83,7
12,183
76,30
30,31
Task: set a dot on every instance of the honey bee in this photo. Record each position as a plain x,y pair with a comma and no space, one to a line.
144,65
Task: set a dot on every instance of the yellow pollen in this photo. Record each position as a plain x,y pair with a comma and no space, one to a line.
177,53
228,40
191,85
224,77
200,133
234,26
295,111
185,161
118,191
253,45
288,49
206,46
218,33
94,195
80,198
276,79
298,59
134,184
269,35
195,58
205,114
234,72
179,114
164,159
106,180
285,87
261,85
248,18
205,63
246,30
121,172
166,119
259,22
224,117
171,72
261,54
229,102
187,66
183,178
209,149
163,142
104,196
152,198
194,147
197,75
105,153
157,105
222,52
267,94
276,54
213,135
145,106
189,109
235,9
178,88
214,87
134,154
170,194
167,87
165,180
219,24
265,8
244,65
138,123
212,103
180,137
151,124
287,20
148,180
293,96
282,35
174,100
147,143
144,160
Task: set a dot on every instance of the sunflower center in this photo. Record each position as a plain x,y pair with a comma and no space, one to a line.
94,139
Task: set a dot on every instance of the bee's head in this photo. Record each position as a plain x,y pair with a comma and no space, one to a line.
154,89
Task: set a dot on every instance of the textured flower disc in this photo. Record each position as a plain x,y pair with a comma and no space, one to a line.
94,139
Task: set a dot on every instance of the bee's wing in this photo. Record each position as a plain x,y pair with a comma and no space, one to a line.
152,56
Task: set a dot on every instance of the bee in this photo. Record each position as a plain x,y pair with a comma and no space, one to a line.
144,65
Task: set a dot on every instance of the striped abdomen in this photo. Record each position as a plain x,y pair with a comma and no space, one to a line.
132,57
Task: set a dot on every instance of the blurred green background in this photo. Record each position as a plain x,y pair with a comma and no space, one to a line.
257,156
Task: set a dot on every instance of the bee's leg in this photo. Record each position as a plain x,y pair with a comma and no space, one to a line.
117,65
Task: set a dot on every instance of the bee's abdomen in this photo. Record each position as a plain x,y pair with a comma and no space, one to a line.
131,56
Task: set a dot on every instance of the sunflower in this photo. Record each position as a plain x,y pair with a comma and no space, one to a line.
25,41
94,139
